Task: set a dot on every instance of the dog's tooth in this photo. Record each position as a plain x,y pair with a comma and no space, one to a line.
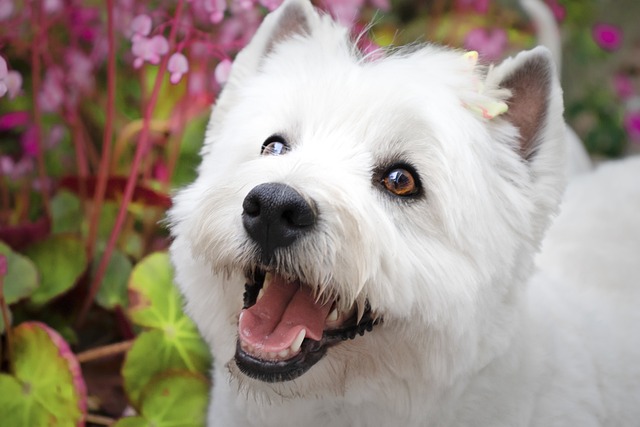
333,316
272,355
295,346
284,353
260,294
267,280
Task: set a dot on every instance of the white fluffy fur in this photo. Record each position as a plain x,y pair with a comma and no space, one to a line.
473,334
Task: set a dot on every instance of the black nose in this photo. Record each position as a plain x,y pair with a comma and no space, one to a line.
275,215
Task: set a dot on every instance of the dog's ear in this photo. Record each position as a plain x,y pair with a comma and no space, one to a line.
535,110
535,105
292,18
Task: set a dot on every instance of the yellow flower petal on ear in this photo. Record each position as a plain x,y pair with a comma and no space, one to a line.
472,57
495,108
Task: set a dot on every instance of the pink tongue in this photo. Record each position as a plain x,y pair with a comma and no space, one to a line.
273,323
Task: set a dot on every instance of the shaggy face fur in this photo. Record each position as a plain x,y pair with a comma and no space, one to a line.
414,217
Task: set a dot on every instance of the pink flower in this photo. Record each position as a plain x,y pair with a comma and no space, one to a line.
141,25
557,9
148,49
6,9
29,142
243,4
223,69
608,37
213,9
15,170
177,66
80,70
52,94
632,125
623,86
13,120
10,81
490,44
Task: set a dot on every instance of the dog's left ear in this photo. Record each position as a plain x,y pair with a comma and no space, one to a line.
293,18
535,111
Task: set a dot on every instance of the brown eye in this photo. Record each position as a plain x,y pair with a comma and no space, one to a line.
274,146
400,182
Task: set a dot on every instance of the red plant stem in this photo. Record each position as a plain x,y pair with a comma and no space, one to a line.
7,325
141,150
36,67
105,159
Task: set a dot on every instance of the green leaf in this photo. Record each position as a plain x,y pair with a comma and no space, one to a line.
60,260
154,300
156,351
65,211
175,400
174,342
47,388
113,288
21,278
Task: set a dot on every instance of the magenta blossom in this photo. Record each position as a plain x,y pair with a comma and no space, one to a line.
6,9
52,94
214,9
490,44
223,69
608,37
148,49
177,66
10,81
13,120
141,25
559,11
632,125
623,85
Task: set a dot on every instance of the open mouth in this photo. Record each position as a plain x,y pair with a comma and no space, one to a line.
283,329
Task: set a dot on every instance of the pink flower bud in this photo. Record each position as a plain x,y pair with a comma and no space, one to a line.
177,66
223,69
141,25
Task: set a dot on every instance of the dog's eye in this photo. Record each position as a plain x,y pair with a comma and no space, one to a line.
400,182
274,146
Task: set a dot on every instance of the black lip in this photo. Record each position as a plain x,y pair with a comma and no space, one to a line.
311,352
283,370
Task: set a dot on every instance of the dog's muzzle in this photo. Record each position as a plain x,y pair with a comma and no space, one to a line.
284,327
275,215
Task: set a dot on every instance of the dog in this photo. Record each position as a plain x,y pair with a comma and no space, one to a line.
361,246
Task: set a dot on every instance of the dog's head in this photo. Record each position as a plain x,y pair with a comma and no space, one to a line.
357,212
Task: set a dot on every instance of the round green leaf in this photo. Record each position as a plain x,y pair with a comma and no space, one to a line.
60,260
157,351
47,388
113,288
175,400
154,300
21,278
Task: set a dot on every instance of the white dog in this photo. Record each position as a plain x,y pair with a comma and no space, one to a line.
358,248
